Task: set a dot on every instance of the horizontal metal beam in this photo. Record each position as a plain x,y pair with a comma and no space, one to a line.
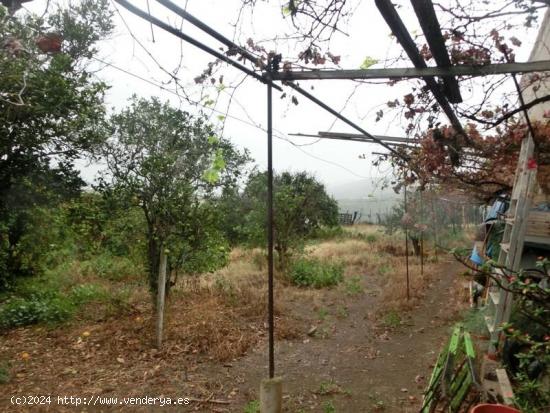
350,137
413,72
359,137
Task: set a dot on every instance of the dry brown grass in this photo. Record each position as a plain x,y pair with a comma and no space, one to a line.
355,255
224,313
205,323
394,289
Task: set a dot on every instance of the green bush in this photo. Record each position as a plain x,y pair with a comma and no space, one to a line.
44,308
314,273
110,267
43,302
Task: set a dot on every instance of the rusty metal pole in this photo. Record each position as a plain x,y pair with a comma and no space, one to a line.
434,223
270,316
422,233
407,244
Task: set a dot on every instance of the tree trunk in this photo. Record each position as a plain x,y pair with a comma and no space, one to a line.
416,245
153,252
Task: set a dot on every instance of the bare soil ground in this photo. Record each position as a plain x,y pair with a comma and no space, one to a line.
368,349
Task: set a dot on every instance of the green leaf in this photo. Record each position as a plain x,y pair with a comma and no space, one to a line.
368,62
219,161
211,176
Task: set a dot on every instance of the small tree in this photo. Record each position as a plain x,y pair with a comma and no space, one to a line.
169,163
301,205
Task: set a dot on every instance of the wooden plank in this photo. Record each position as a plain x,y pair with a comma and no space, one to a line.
537,240
413,72
505,387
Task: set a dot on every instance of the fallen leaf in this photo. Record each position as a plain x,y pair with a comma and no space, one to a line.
419,378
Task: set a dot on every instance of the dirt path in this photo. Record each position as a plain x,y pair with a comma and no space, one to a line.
352,363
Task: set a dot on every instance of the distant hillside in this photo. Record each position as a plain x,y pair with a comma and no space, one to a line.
363,188
364,197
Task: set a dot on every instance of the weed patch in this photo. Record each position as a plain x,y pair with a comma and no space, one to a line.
353,285
385,269
328,407
252,406
392,319
46,302
313,273
342,312
322,313
4,373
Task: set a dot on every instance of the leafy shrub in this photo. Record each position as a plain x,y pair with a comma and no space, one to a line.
43,302
46,308
310,272
110,267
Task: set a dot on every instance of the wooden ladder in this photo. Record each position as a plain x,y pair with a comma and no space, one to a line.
513,239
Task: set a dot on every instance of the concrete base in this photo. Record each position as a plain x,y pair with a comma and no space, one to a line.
271,395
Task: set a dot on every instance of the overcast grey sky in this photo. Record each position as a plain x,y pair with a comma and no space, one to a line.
332,161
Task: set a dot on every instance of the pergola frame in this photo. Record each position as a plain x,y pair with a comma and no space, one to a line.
269,76
414,72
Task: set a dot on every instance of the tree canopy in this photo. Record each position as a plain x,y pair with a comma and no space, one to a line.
51,113
169,163
301,206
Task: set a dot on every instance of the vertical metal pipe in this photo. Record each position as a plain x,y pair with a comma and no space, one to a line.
422,233
270,229
407,245
434,223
